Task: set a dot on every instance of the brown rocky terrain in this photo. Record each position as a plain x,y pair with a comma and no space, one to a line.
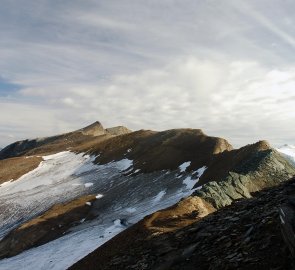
14,168
182,214
150,150
155,151
244,235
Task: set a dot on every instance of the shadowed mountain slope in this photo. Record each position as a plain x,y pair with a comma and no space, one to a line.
230,176
240,236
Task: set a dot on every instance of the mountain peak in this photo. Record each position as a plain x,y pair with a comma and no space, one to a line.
95,129
262,145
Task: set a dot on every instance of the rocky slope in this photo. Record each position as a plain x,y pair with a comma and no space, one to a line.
230,176
242,172
244,235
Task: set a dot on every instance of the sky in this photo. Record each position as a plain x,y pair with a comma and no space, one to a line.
227,67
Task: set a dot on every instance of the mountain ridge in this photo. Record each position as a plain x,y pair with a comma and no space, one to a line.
93,133
165,181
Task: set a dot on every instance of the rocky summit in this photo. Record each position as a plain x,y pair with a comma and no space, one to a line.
112,198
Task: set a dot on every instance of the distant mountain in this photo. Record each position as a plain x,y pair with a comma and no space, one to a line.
75,192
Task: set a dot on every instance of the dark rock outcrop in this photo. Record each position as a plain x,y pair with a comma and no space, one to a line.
287,218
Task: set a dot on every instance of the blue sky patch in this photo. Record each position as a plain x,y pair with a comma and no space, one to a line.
7,88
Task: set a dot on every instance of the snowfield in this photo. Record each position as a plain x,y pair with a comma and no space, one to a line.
122,200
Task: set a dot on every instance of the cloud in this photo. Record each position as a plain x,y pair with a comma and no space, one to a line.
266,22
157,65
237,100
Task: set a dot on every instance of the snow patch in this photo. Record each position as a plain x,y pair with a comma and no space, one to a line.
117,222
184,166
53,170
98,196
189,182
123,164
130,210
88,203
55,156
88,185
201,171
159,196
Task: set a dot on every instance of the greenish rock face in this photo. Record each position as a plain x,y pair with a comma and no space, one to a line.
264,169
